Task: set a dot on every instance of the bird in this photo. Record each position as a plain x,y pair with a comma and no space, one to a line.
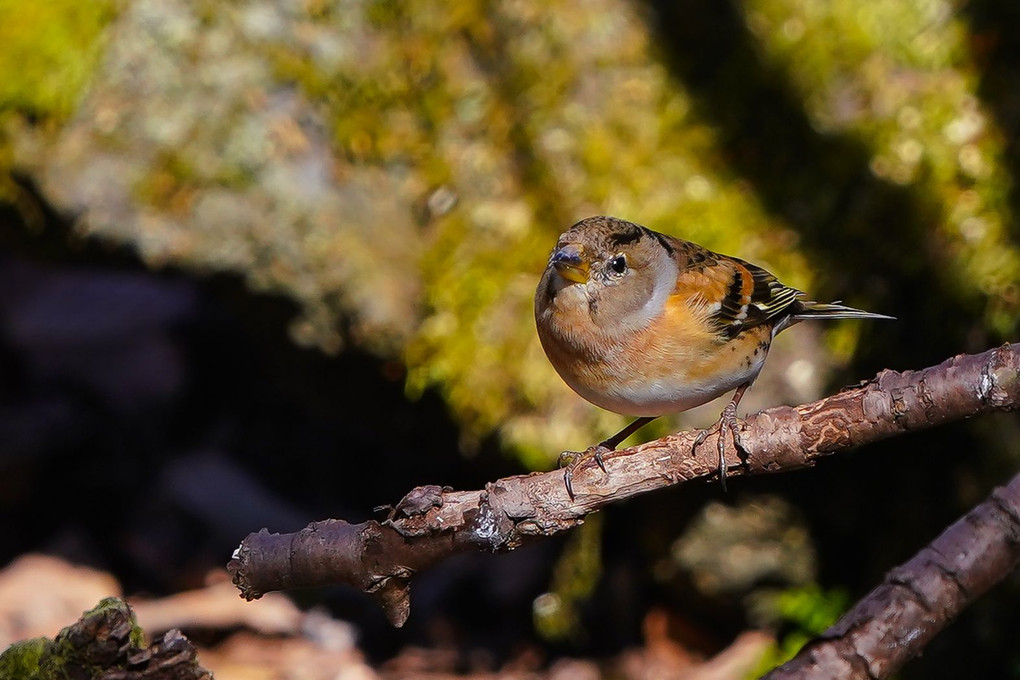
645,324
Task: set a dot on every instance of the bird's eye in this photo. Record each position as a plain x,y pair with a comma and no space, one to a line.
618,264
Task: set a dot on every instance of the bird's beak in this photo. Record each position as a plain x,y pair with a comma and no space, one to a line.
569,263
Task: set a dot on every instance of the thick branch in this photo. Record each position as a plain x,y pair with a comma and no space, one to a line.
896,620
431,523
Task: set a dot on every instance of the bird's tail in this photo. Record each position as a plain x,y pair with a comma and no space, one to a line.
831,310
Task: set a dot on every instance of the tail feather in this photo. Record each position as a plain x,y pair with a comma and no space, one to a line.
831,310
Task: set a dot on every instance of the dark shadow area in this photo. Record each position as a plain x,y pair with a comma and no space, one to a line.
872,242
150,420
995,44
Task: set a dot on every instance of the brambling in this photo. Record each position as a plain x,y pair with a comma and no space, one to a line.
645,324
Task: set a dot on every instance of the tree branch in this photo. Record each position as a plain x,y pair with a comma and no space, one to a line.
431,523
896,620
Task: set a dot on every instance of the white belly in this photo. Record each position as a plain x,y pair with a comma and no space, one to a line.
663,396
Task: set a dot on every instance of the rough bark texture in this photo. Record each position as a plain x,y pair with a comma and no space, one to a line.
105,644
896,620
432,523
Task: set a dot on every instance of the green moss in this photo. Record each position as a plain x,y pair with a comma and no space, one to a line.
21,660
577,573
561,127
136,636
42,659
532,117
899,76
804,613
49,52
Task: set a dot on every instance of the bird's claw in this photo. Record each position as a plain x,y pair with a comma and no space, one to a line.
727,423
570,461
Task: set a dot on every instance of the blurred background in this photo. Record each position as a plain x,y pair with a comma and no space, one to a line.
264,262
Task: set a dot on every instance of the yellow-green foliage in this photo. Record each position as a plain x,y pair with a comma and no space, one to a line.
577,573
538,118
491,103
804,613
48,51
900,76
462,138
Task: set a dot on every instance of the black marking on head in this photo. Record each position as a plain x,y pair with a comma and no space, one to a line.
663,241
628,234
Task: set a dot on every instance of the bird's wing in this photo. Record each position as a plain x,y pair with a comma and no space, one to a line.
736,295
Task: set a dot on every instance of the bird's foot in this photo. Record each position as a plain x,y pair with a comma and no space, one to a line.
571,461
727,423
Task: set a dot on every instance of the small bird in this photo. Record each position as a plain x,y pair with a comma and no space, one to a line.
645,324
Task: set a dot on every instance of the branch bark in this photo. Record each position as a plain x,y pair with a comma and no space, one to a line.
104,643
896,620
432,523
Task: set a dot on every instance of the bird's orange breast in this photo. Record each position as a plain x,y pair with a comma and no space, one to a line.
676,362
